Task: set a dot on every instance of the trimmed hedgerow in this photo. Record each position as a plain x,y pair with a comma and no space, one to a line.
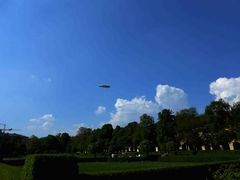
227,172
43,166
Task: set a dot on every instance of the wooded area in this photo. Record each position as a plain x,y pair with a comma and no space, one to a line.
184,130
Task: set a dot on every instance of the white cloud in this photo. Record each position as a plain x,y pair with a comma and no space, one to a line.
227,89
34,120
40,79
130,110
49,80
171,97
33,77
44,122
47,117
100,110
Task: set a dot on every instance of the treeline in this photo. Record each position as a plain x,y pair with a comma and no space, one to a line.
214,129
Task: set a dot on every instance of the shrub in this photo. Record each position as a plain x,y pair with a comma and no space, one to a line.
14,161
39,167
227,172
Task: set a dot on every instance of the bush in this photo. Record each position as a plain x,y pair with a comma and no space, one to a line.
14,161
227,172
39,167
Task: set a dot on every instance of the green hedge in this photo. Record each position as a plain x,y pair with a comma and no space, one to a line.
14,161
43,166
227,172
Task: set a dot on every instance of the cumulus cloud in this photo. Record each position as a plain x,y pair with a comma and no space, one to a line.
227,89
39,79
49,80
100,110
171,97
130,110
42,123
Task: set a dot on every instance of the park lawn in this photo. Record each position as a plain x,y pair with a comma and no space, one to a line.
8,172
173,161
93,168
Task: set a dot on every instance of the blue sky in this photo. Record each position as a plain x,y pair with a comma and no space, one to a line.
154,53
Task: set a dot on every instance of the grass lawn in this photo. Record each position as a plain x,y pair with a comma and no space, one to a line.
92,168
8,172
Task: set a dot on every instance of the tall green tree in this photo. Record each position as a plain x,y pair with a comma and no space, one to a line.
106,133
218,115
166,127
188,126
120,140
235,125
33,145
81,141
64,140
147,128
133,134
218,122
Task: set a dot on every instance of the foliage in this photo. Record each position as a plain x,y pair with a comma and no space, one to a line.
227,172
215,128
235,125
33,145
42,166
49,144
187,127
166,129
146,147
147,128
217,115
12,145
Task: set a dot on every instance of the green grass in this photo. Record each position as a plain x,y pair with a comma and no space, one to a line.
181,160
94,168
8,172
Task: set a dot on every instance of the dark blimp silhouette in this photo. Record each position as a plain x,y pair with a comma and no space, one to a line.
104,86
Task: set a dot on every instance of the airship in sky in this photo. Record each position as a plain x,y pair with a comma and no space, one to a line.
104,86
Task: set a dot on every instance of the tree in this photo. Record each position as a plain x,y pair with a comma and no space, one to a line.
224,137
83,130
187,126
33,145
50,144
146,147
105,136
64,140
81,141
106,131
235,125
218,119
166,126
133,134
218,115
119,140
147,128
